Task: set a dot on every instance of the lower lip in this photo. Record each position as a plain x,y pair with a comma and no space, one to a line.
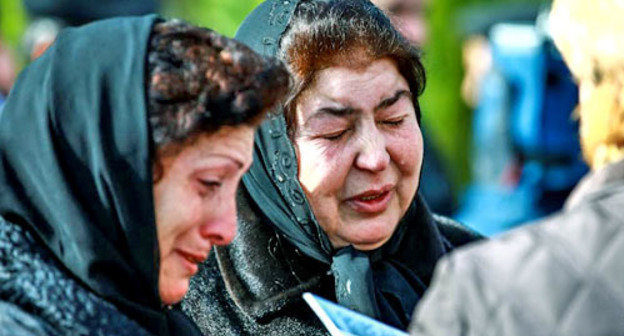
373,206
191,267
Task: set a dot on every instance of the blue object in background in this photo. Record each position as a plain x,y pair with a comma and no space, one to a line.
526,152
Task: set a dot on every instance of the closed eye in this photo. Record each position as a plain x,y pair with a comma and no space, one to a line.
208,188
211,184
394,122
334,136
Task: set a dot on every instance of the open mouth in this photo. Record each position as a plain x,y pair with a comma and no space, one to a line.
373,201
370,198
190,261
192,257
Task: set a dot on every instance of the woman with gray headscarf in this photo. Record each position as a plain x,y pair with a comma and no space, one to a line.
330,204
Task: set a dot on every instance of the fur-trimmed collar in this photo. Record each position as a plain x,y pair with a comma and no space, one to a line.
263,284
35,283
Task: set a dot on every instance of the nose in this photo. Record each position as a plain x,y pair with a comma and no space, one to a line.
372,155
221,228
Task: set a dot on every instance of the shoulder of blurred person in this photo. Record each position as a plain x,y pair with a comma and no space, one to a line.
264,277
560,276
38,297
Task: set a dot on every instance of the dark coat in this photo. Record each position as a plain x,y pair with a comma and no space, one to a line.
39,297
562,276
254,285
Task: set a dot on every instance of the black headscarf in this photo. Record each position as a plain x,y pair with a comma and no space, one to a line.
75,165
385,283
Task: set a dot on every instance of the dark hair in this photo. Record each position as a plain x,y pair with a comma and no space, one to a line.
199,81
322,34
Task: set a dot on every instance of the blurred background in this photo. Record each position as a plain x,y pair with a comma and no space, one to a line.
501,138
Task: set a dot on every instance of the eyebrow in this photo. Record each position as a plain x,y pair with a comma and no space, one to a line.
232,160
336,111
390,101
348,111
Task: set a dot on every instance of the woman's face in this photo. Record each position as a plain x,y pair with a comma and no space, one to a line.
195,203
360,151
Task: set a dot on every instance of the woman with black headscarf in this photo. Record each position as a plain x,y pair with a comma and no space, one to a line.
120,152
330,204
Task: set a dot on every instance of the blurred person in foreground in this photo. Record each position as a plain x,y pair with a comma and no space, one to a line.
563,275
122,147
331,203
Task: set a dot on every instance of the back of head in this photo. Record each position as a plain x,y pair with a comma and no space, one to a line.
199,81
590,35
353,33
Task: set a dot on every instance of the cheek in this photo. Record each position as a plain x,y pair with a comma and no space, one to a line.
322,169
176,212
406,150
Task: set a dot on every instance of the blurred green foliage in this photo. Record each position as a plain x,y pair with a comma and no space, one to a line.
222,16
444,112
12,22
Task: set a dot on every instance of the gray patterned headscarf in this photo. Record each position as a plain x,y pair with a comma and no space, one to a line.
385,283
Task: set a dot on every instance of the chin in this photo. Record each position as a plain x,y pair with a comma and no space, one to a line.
369,236
172,293
369,246
370,241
